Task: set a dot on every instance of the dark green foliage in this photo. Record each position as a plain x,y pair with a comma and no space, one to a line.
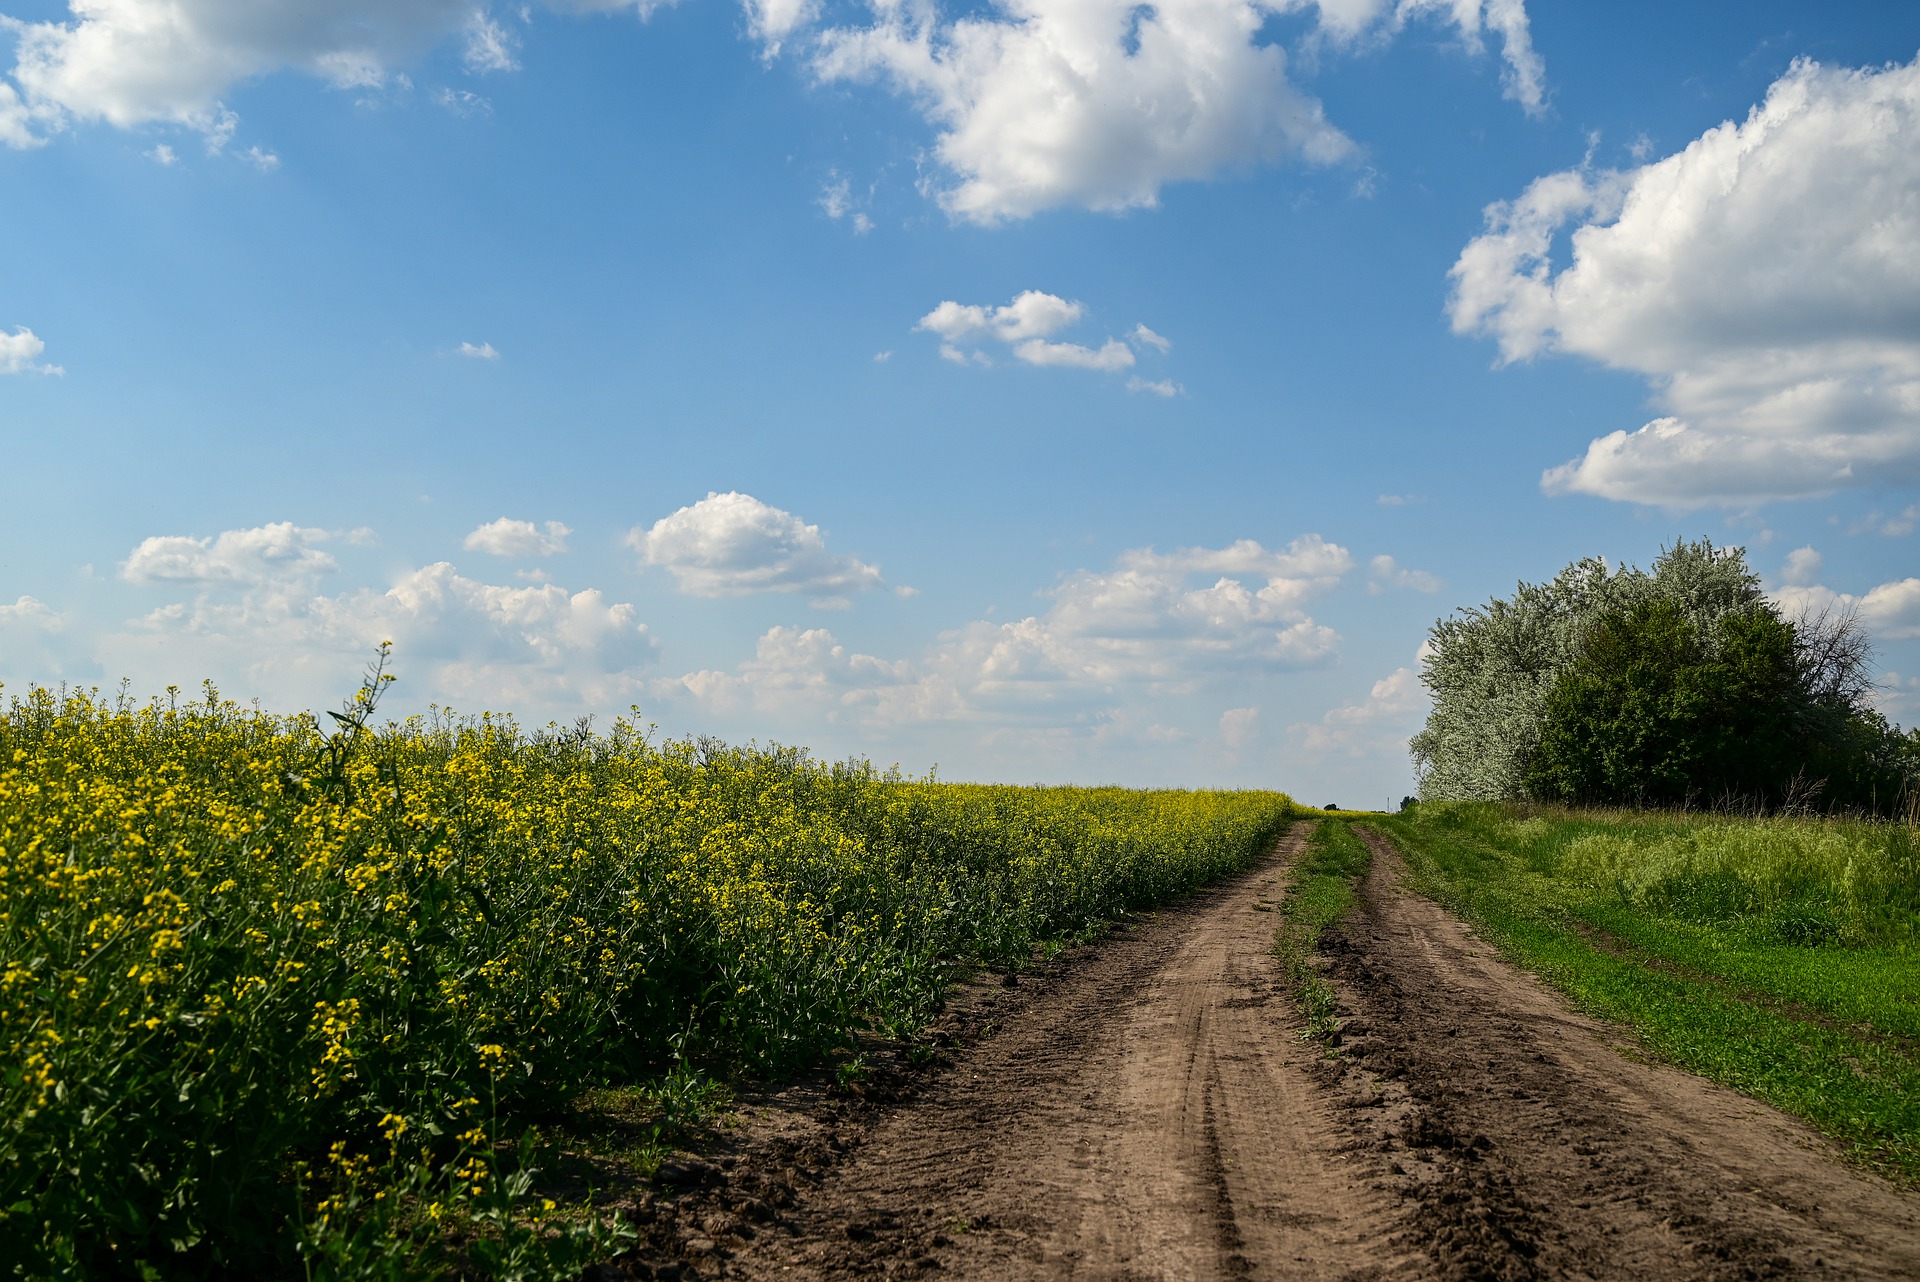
1866,763
1492,668
1680,687
1654,713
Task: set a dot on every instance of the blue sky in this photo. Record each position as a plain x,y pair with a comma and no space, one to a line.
1070,390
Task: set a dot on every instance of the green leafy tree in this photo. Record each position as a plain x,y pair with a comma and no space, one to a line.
1491,669
1678,686
1653,712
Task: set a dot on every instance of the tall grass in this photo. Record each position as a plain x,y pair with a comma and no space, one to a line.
276,1003
1777,955
1792,880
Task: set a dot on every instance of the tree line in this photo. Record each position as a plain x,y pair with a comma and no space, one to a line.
1684,686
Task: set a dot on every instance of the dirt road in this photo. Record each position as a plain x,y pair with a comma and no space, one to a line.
1147,1110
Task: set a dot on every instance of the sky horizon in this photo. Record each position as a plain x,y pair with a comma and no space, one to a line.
1045,391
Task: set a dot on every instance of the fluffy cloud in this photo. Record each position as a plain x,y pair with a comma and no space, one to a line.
1030,315
457,640
1026,326
1378,725
281,553
1384,572
1037,103
797,668
30,645
30,612
1239,727
1100,103
1763,281
1042,103
252,610
1801,568
129,62
132,62
437,613
1152,624
478,351
508,537
1110,357
1890,611
20,350
733,544
1064,102
771,22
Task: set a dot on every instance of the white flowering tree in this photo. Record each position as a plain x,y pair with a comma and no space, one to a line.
1491,668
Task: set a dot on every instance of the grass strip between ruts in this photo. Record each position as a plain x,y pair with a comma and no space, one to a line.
1684,997
1320,895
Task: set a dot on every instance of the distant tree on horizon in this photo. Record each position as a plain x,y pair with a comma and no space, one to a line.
1679,687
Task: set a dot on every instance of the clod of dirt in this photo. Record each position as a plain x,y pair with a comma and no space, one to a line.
685,1173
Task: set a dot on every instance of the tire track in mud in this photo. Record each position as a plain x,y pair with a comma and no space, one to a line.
1146,1109
1526,1145
1145,1112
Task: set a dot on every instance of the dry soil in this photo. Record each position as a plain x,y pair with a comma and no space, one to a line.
1146,1108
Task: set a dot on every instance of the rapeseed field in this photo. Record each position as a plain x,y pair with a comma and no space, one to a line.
284,1002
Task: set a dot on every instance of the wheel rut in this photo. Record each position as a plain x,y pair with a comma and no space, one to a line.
1529,1141
1147,1109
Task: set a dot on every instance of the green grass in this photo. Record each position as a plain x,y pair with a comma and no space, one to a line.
1778,956
1320,895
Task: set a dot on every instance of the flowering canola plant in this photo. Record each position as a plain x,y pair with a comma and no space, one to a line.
276,1002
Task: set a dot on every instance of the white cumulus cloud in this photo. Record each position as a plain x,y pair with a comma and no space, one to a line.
136,62
1890,611
1239,727
1151,625
1026,328
1101,103
1801,568
20,352
130,62
1064,102
1385,572
280,553
457,640
32,649
733,544
1110,357
1378,725
478,351
1762,279
508,537
797,669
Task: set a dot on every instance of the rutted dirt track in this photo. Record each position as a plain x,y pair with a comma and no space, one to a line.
1147,1110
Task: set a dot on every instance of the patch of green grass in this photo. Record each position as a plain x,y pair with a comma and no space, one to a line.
1777,956
1321,894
